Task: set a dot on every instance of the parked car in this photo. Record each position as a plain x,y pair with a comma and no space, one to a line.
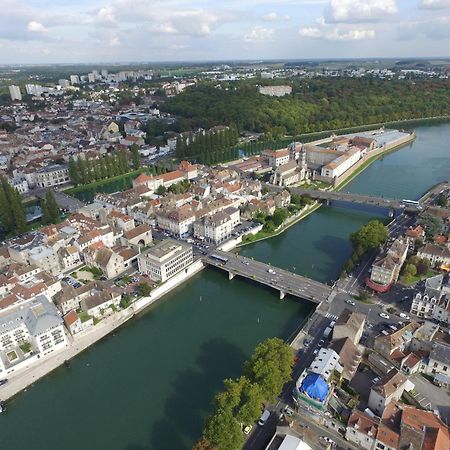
350,302
247,429
287,411
384,315
404,316
375,380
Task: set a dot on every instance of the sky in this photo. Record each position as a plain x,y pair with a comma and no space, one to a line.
83,31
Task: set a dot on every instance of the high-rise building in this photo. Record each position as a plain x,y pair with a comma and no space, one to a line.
64,83
14,92
34,89
91,77
74,79
104,73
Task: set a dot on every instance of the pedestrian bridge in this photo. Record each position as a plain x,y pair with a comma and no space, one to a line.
282,280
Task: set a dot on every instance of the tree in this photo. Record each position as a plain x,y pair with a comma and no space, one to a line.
12,212
144,289
73,172
432,224
51,207
279,216
442,200
423,266
203,444
136,157
224,431
270,367
410,270
161,190
370,236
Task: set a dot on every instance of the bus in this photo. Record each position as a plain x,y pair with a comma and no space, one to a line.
410,202
219,258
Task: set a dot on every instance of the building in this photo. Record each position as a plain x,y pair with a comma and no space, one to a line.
325,363
389,388
349,356
219,226
73,322
439,360
14,92
438,255
386,267
178,221
100,303
350,324
139,236
165,259
49,176
277,158
434,300
275,91
74,79
35,327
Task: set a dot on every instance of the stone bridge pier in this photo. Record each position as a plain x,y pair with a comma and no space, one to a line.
231,275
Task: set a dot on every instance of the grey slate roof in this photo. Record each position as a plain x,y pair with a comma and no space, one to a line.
441,352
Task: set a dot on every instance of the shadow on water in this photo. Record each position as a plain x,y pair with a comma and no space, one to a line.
184,414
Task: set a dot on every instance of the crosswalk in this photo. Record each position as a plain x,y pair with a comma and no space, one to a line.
331,316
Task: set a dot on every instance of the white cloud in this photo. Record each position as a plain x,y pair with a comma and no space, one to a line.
354,11
434,4
337,34
106,16
273,16
36,27
258,34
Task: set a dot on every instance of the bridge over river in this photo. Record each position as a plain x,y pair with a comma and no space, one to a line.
282,280
329,196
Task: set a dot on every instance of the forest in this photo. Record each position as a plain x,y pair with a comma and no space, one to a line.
314,105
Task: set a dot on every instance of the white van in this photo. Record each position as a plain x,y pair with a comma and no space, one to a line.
263,419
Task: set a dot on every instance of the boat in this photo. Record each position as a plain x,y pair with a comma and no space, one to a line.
2,407
4,381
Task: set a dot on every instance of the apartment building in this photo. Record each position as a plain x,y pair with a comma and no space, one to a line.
165,259
49,176
277,158
219,226
433,302
350,324
178,221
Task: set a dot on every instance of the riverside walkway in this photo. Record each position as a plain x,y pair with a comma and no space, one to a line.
282,280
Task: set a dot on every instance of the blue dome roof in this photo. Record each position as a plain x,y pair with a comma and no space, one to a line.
315,387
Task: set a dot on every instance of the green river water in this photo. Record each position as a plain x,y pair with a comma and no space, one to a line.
150,384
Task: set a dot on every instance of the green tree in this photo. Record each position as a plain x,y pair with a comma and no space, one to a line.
144,289
270,367
279,216
52,207
442,200
410,270
136,157
224,431
432,224
161,190
73,172
370,236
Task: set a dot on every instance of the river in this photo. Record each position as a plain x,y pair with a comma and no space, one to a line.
150,385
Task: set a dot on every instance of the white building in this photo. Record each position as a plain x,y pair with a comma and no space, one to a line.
325,362
434,301
34,326
178,221
165,259
275,91
277,157
218,227
14,92
74,79
341,164
51,176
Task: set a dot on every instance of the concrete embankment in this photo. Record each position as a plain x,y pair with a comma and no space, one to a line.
30,374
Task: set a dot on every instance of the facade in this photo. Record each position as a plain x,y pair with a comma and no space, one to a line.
438,255
218,227
277,158
325,362
51,176
36,324
109,262
341,164
178,221
434,301
14,92
165,259
386,268
275,91
439,360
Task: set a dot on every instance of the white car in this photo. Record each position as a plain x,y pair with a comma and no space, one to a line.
384,315
271,271
404,316
350,302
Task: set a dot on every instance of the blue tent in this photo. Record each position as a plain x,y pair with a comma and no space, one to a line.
315,387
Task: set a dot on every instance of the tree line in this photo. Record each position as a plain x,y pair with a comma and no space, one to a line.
241,401
85,170
12,212
315,104
209,148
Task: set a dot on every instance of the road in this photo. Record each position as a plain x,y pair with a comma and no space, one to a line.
280,279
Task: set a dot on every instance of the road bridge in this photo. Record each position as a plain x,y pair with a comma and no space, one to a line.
282,280
328,196
64,201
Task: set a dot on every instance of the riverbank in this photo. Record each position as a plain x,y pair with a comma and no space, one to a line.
21,380
286,225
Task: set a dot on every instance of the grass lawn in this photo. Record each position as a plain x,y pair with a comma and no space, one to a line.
410,280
